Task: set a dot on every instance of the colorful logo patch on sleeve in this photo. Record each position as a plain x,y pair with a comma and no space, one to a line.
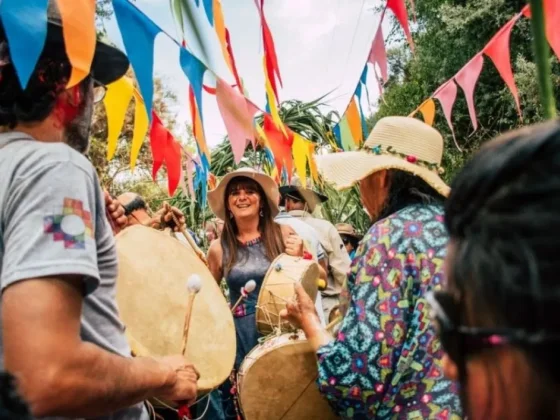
72,226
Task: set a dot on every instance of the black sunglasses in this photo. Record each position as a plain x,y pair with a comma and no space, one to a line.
458,340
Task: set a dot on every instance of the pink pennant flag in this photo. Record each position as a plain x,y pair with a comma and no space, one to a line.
467,78
253,110
399,9
378,54
190,168
238,122
498,51
446,95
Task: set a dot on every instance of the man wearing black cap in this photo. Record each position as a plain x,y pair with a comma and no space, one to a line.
61,335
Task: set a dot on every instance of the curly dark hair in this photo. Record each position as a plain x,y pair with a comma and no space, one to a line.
38,99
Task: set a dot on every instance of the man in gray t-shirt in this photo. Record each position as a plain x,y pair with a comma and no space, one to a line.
61,335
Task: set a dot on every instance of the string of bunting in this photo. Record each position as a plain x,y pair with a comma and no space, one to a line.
237,110
497,50
351,129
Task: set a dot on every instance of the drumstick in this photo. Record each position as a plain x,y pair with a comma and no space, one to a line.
249,287
194,284
189,239
334,322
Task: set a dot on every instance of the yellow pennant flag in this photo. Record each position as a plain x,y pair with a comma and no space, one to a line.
355,123
312,163
116,103
141,124
346,134
220,27
271,98
262,135
428,110
300,152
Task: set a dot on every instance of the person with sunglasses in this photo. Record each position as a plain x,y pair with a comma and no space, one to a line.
385,361
497,319
61,334
350,238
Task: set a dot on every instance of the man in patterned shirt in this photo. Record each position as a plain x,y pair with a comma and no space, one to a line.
386,361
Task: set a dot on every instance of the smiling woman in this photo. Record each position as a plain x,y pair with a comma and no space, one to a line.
247,201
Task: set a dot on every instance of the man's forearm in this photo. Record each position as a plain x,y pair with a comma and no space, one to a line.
94,382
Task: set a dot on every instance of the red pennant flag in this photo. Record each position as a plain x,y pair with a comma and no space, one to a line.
498,51
280,144
232,61
378,54
552,19
399,9
467,78
158,143
173,163
446,95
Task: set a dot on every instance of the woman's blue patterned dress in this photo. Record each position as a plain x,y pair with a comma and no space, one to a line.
386,360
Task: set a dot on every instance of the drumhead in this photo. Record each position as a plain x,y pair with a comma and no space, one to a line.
278,288
152,298
277,380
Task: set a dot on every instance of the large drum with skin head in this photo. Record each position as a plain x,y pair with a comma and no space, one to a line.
277,381
278,289
152,297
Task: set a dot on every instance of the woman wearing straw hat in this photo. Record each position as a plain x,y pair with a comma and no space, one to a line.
386,361
247,202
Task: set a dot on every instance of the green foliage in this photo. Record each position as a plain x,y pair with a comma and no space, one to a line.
449,34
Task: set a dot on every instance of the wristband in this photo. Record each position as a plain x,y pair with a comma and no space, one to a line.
307,255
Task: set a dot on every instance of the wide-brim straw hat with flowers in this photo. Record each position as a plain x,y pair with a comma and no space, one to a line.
217,197
402,143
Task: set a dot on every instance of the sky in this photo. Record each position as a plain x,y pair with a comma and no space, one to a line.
321,45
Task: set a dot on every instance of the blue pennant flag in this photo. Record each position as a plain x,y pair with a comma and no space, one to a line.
363,77
25,24
194,70
337,136
208,8
138,33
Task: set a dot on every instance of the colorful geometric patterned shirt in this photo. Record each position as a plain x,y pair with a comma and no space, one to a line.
385,362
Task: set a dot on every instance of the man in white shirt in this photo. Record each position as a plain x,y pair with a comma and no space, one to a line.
300,202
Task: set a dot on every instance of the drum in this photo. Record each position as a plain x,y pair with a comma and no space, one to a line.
152,298
277,381
278,289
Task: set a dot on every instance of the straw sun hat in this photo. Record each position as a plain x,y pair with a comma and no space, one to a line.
217,197
348,230
400,143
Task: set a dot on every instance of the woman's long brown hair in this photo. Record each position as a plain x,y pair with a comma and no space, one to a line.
271,233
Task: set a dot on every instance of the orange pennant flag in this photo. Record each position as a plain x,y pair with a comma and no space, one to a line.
428,110
355,123
78,27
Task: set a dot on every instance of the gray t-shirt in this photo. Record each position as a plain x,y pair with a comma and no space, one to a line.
53,222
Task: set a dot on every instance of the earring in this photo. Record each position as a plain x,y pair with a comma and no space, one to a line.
230,215
261,213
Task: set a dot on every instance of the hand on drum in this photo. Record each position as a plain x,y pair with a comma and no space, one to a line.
166,217
300,312
184,388
293,245
115,210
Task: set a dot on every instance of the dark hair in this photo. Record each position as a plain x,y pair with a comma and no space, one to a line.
271,234
503,217
137,203
12,406
406,189
37,101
